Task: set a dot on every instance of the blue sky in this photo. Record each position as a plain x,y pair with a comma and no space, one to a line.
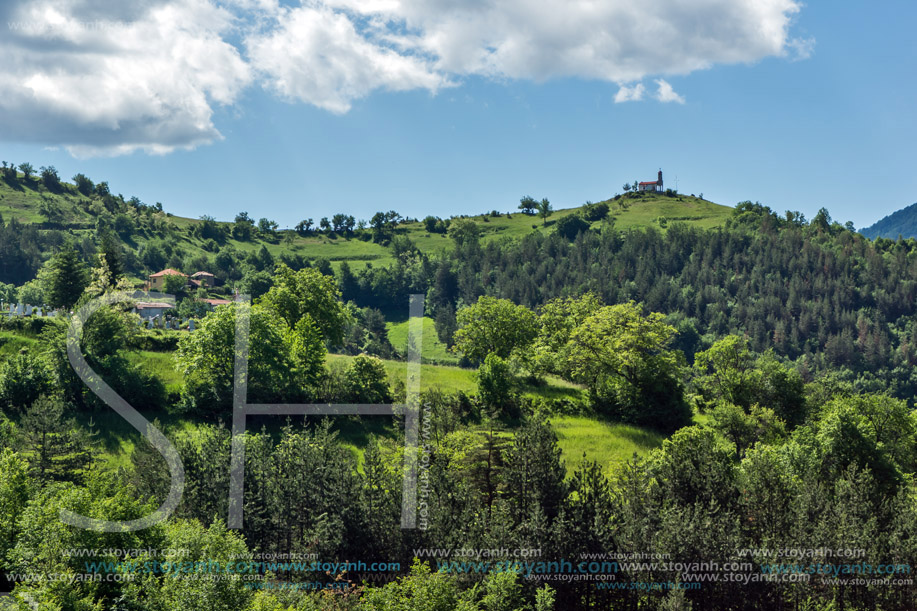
290,112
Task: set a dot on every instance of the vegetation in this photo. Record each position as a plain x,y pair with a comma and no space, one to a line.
620,382
901,223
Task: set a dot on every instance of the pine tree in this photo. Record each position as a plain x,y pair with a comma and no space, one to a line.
65,278
59,450
111,251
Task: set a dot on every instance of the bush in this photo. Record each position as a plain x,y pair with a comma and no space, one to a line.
23,378
495,383
571,226
595,212
156,340
365,381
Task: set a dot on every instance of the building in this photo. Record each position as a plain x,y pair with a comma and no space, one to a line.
204,279
195,281
157,280
216,302
152,309
652,185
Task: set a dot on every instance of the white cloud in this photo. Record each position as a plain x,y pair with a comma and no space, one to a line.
615,40
630,94
100,86
317,56
111,77
665,93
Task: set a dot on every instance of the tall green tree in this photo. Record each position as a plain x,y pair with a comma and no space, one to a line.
58,449
111,251
494,326
205,358
545,210
633,374
65,279
307,291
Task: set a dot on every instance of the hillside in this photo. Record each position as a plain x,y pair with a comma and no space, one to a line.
188,243
902,222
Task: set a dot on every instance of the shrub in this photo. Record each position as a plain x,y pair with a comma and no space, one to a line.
365,381
23,378
495,383
595,212
571,226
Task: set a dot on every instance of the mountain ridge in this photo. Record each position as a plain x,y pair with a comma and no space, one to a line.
902,222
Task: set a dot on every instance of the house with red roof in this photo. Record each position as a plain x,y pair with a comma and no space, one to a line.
157,280
651,185
195,281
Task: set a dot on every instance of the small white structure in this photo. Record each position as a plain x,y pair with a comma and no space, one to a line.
151,309
652,185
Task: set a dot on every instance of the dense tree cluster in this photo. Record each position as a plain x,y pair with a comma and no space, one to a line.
818,293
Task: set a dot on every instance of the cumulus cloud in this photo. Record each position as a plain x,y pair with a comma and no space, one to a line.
665,93
125,82
615,40
319,57
630,94
110,77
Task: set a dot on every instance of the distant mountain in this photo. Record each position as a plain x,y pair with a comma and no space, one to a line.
903,223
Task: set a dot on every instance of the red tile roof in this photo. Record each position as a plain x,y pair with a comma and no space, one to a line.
168,272
650,182
217,302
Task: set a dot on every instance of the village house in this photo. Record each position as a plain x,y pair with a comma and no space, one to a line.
195,281
204,279
151,309
157,280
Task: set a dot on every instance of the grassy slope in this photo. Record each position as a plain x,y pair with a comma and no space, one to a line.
23,201
432,350
606,443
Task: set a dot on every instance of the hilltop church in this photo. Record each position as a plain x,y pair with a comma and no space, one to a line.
654,185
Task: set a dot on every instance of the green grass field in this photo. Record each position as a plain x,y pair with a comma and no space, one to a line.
608,444
432,350
605,443
11,343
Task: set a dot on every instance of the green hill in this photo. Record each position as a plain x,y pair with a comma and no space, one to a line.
903,223
191,244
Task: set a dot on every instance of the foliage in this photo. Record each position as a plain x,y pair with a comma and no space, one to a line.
23,378
495,383
205,359
493,326
57,448
307,292
528,205
544,210
571,226
66,279
728,371
174,284
632,373
365,381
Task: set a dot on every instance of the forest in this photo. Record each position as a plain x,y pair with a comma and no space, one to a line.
771,355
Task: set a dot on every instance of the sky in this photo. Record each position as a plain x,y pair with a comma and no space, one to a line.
293,110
